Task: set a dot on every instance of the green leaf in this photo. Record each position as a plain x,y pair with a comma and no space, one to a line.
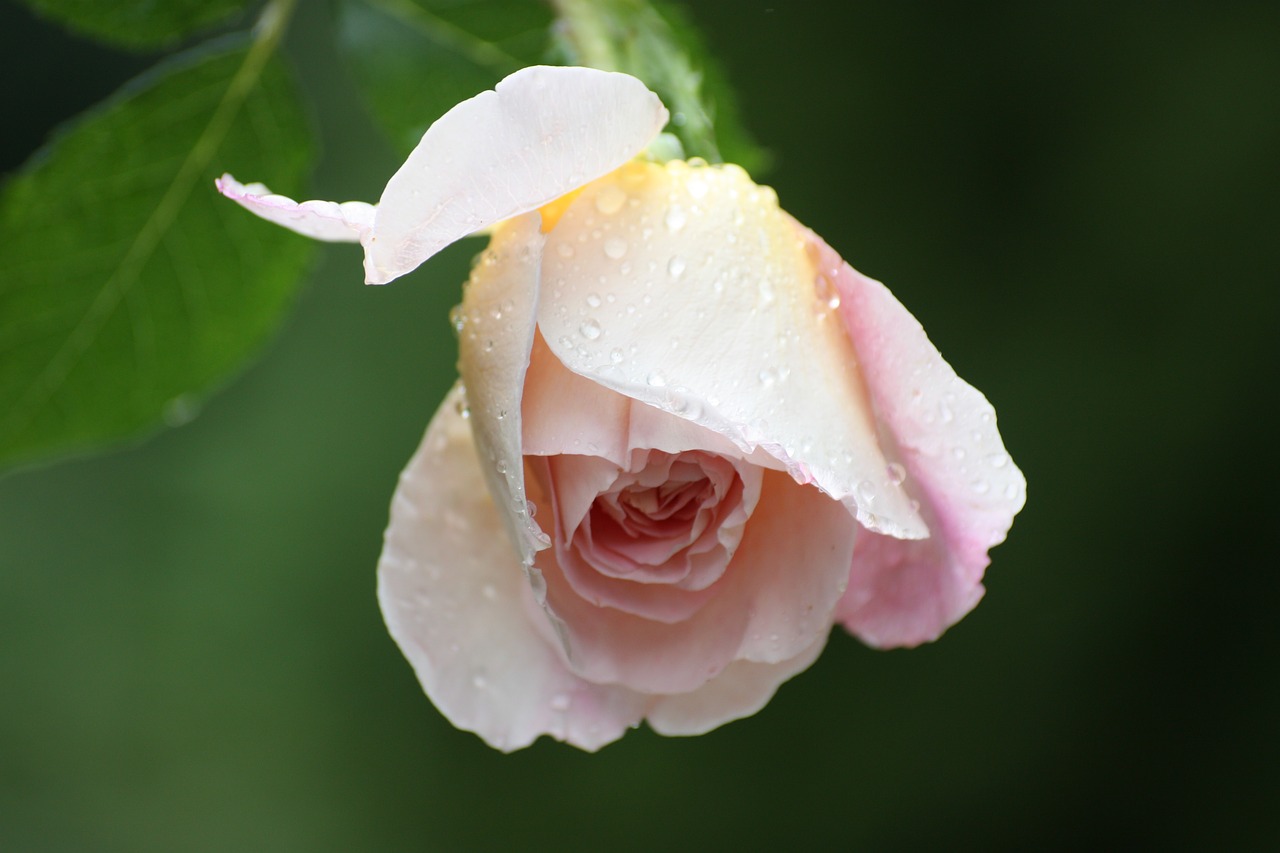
414,59
656,43
130,287
138,24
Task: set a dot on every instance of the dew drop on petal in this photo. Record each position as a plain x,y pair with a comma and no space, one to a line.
560,702
897,473
767,377
676,266
593,300
615,355
675,218
615,247
656,379
564,250
610,200
489,591
590,330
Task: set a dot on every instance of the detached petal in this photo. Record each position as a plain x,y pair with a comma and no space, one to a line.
688,289
543,132
954,465
453,596
319,220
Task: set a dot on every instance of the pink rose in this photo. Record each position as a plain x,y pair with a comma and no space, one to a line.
687,439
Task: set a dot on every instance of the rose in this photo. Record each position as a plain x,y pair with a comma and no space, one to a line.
703,436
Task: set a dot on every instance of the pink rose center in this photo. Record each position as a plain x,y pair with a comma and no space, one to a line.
653,538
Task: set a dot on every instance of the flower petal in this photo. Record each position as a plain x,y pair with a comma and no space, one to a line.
774,600
494,341
542,132
319,220
740,691
565,413
716,315
954,464
453,595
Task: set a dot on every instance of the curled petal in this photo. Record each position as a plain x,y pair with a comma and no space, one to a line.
455,600
320,220
495,336
688,289
953,463
541,133
740,691
775,599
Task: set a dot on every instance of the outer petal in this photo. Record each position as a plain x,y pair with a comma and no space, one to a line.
320,220
688,289
495,337
740,691
955,465
542,132
451,591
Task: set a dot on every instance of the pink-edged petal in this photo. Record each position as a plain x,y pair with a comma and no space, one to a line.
775,599
954,464
742,689
686,288
496,333
455,600
543,132
320,220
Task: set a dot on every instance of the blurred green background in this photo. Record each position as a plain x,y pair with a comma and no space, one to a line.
1078,200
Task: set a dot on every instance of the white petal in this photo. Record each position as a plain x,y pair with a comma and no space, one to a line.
742,689
320,220
494,342
688,289
543,132
453,594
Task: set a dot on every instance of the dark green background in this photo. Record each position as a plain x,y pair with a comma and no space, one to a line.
1079,201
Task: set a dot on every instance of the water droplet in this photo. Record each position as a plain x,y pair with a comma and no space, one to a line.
560,702
457,319
897,473
531,508
867,491
589,330
489,591
997,460
827,294
766,290
479,681
502,414
615,355
610,200
676,266
959,453
944,412
675,218
564,250
767,377
656,379
461,407
501,465
697,187
615,247
593,300
981,486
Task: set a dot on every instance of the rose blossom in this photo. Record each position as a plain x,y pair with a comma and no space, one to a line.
687,439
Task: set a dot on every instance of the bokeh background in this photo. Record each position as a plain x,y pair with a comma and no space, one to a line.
1078,200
